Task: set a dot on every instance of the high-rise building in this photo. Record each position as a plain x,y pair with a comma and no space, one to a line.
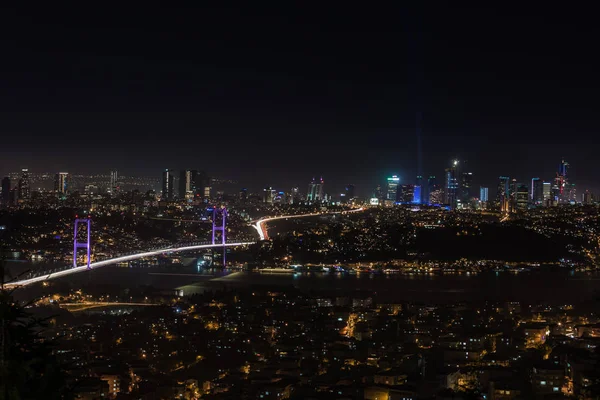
407,194
546,192
392,188
483,194
503,194
466,183
432,186
315,190
167,184
61,183
537,191
188,184
560,183
295,197
114,182
6,191
587,197
419,190
269,195
452,184
521,197
24,185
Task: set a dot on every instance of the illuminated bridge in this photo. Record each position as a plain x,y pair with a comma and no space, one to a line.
120,259
41,276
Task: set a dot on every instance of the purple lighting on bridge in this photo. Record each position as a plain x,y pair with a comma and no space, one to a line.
77,244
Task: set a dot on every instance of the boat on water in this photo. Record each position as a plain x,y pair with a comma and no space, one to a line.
276,271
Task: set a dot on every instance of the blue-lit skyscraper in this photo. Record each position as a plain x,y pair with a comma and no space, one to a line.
483,194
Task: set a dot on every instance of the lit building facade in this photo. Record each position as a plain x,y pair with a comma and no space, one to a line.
392,188
167,185
61,183
315,190
537,191
452,184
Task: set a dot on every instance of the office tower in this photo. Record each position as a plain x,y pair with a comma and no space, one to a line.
502,193
188,184
521,197
419,190
392,188
570,193
114,182
452,184
6,191
407,194
432,186
349,192
61,183
295,197
24,185
315,190
546,192
243,195
560,183
537,191
268,195
587,197
167,185
483,194
465,186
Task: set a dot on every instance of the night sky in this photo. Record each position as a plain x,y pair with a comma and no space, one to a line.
276,95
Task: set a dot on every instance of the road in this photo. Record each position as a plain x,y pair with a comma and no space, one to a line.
261,228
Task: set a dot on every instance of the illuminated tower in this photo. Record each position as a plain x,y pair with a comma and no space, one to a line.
315,190
537,191
61,182
502,194
24,185
392,188
188,183
419,190
114,182
452,184
167,185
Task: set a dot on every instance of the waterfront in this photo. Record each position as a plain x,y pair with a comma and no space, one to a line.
553,285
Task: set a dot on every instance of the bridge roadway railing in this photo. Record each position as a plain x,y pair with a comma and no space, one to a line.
48,271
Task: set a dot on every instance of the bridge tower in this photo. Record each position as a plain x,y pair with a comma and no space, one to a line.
219,221
86,245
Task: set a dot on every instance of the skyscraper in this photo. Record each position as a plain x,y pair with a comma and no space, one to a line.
521,197
243,195
6,191
432,186
466,183
483,194
547,192
268,195
392,188
114,182
167,185
502,194
560,183
61,183
349,192
419,189
537,191
24,185
315,190
407,194
188,184
452,184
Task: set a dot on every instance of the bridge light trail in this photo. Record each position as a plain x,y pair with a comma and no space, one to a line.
117,260
262,229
